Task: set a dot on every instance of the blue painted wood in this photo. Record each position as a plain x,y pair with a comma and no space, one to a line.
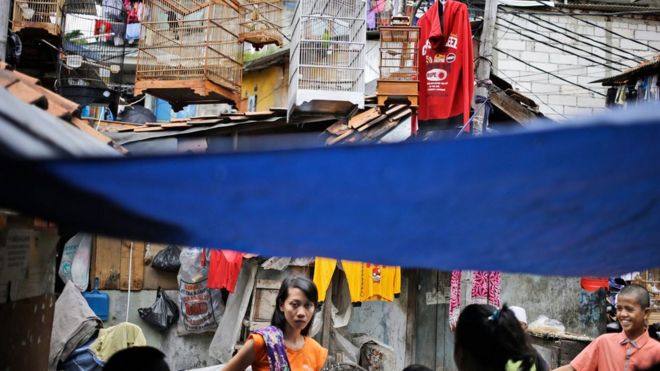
579,200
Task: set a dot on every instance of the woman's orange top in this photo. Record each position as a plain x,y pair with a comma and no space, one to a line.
311,357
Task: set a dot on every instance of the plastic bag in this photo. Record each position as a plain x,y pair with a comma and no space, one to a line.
162,313
545,325
75,260
167,259
200,307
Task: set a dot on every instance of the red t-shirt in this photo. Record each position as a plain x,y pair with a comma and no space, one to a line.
446,66
224,269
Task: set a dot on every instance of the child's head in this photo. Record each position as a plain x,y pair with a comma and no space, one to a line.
137,358
487,338
632,310
417,368
296,303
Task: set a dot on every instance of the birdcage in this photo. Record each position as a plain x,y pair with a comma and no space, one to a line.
189,52
326,70
37,14
261,22
91,58
399,67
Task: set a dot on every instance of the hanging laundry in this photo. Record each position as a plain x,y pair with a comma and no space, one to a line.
324,268
446,67
113,339
621,95
454,299
486,287
224,269
353,271
367,281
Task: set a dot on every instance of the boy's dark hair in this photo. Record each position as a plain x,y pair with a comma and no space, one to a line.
417,368
307,287
640,293
137,359
487,338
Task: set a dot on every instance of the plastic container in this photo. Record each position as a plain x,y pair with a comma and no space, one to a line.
98,301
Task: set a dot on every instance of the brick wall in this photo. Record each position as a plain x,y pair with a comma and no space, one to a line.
560,99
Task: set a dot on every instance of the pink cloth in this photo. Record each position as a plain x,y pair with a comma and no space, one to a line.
486,287
454,299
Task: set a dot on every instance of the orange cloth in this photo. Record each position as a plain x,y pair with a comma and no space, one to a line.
310,358
608,353
368,281
324,268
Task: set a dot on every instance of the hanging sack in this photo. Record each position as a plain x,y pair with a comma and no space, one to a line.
162,313
168,259
75,260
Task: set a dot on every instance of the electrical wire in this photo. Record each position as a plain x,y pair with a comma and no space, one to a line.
565,51
532,93
549,73
618,34
651,12
566,33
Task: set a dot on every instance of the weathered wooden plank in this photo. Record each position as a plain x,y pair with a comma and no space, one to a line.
82,125
334,140
363,118
154,278
106,262
26,329
137,265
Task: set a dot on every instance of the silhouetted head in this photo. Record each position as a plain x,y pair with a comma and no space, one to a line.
487,338
137,359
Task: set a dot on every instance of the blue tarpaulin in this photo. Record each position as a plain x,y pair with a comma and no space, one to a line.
576,200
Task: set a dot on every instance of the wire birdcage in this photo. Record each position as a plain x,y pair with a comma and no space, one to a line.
326,71
40,14
399,63
91,61
189,52
261,22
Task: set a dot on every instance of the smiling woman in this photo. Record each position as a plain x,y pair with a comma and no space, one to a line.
285,344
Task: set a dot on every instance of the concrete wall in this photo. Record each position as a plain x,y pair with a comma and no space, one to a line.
183,352
385,322
559,99
559,298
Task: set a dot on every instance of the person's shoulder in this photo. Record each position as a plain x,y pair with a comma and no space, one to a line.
320,353
313,344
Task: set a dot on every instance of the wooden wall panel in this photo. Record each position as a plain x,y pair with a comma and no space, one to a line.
106,263
136,265
154,278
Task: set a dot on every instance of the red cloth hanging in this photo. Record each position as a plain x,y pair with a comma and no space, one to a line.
224,268
446,66
102,27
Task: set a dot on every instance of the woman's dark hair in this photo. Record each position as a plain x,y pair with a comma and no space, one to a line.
487,338
417,368
137,359
298,282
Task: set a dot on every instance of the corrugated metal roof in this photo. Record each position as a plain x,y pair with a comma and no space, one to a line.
32,122
643,69
608,7
27,131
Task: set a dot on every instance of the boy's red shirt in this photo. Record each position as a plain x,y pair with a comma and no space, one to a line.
446,67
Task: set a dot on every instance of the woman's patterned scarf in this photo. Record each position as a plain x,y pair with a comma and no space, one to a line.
275,348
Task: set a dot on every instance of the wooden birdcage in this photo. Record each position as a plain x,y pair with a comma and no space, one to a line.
189,52
399,63
327,60
261,22
37,14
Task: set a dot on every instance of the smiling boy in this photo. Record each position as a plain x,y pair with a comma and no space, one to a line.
629,350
